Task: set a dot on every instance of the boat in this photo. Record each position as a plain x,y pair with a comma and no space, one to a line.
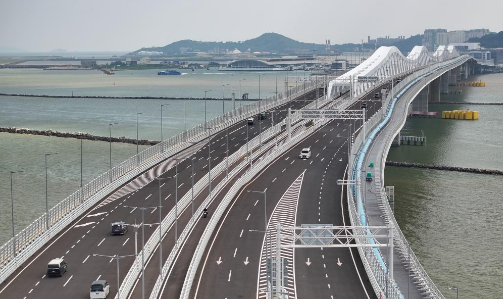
169,72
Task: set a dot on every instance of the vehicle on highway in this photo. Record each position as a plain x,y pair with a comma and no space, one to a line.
363,106
305,153
99,289
119,228
56,267
261,116
251,121
205,213
377,95
369,176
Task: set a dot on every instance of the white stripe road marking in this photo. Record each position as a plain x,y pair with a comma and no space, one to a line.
248,217
86,259
310,162
98,277
180,185
292,161
148,196
110,260
235,250
153,210
67,251
125,242
37,283
101,241
274,180
230,273
167,196
163,184
241,234
284,170
132,211
256,203
67,281
30,291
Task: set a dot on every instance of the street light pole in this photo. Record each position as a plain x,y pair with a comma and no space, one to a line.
12,213
457,291
223,99
240,94
46,191
205,123
160,225
110,141
137,148
162,137
259,115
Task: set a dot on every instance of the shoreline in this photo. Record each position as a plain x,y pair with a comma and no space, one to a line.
118,97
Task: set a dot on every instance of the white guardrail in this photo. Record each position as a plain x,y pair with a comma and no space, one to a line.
18,249
373,264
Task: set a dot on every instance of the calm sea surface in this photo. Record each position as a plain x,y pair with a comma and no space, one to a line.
453,220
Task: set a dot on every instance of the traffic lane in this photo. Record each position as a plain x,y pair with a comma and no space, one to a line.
319,271
288,164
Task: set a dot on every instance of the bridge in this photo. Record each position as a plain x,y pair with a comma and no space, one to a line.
278,226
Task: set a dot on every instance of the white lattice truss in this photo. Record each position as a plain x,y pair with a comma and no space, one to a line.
333,236
386,63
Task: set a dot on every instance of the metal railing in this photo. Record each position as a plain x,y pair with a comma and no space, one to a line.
372,257
25,243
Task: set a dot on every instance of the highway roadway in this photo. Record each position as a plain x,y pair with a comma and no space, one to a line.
90,234
231,265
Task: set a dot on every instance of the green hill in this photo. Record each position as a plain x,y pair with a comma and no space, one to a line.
492,40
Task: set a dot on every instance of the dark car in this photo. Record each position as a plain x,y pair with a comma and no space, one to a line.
57,267
261,116
119,228
364,106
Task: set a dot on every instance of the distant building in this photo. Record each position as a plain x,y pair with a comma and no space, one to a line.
145,60
497,54
88,63
464,47
437,37
483,57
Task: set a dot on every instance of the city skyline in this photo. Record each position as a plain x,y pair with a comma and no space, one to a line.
125,26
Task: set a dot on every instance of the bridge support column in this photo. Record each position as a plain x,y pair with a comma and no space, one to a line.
453,77
435,90
444,83
420,103
396,140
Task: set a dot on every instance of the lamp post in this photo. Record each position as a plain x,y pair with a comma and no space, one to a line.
205,123
117,258
162,137
142,209
223,99
176,200
247,141
137,148
46,191
259,115
160,225
110,141
12,212
240,94
457,291
209,162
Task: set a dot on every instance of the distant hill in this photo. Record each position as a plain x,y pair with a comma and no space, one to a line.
492,40
267,42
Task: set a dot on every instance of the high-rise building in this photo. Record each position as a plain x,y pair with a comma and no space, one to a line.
430,38
437,37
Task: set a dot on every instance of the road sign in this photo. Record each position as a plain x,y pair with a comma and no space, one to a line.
363,79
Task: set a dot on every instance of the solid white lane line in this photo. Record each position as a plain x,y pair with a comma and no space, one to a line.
241,234
86,259
248,217
101,242
67,281
125,242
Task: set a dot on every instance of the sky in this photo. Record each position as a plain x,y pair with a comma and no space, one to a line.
126,25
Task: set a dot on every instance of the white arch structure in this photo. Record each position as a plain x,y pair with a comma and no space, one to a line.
387,62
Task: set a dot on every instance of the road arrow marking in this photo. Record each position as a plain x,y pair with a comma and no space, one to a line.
246,261
339,262
219,260
308,263
85,224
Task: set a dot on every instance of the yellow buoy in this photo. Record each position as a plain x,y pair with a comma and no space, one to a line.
456,114
475,115
443,114
462,115
469,114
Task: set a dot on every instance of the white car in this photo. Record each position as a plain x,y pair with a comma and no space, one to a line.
99,289
305,153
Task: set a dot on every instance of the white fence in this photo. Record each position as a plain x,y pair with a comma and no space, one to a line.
19,248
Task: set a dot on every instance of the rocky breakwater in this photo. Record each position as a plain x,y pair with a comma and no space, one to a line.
77,135
443,167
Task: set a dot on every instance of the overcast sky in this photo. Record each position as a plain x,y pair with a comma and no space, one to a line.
126,25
